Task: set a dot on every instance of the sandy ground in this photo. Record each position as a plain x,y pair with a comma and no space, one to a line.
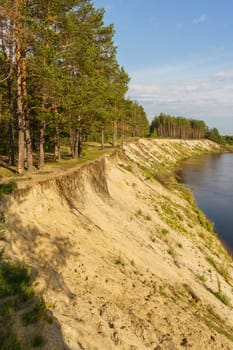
124,261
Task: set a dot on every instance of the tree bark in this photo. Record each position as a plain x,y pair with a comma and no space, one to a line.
74,143
20,113
79,143
57,151
41,146
114,136
102,138
28,142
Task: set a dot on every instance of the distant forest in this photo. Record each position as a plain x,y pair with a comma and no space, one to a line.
166,125
59,78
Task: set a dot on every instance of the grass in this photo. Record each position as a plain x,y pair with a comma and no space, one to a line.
172,216
7,188
162,173
222,297
206,223
119,261
127,167
152,238
15,289
222,269
164,231
179,245
202,278
16,293
89,154
10,341
216,323
37,341
144,216
37,313
171,252
15,280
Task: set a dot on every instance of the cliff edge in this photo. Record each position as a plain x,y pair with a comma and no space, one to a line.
122,255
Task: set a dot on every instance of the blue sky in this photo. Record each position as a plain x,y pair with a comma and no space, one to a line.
179,55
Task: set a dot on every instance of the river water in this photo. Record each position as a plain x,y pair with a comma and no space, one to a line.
211,180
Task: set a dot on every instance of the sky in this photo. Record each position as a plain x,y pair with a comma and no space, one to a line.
179,56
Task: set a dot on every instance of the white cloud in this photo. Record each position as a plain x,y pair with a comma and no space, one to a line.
201,19
194,64
226,74
200,87
197,98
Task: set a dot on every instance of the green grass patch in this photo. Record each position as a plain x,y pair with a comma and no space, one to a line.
88,154
206,223
7,188
163,173
15,280
202,278
222,269
37,313
10,341
37,341
216,323
164,231
172,216
16,293
222,297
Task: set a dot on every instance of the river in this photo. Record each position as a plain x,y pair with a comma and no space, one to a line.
211,180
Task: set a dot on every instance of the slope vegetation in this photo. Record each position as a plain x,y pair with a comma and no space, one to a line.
122,255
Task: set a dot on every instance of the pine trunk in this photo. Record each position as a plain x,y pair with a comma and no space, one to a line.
10,97
41,147
102,138
79,143
114,136
11,143
28,141
57,152
20,114
74,143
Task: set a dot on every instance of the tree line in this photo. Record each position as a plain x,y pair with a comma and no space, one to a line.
59,77
166,125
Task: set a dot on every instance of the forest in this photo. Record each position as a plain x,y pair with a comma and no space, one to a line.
165,125
60,80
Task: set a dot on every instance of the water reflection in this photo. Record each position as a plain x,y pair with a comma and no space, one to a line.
211,179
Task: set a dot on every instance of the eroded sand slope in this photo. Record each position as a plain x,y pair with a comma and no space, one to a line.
122,255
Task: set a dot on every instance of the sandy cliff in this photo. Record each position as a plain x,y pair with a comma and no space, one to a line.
122,255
